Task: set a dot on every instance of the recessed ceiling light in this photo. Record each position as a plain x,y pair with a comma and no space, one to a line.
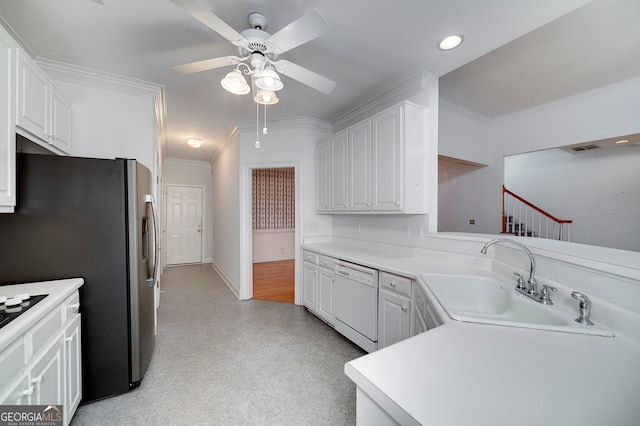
622,141
194,143
451,42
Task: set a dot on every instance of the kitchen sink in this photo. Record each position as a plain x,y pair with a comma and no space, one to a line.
487,300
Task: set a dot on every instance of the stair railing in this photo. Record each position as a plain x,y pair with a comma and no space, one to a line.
520,217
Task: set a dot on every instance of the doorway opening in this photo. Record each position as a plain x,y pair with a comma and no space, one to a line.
273,234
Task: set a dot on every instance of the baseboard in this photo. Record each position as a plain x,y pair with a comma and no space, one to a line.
227,281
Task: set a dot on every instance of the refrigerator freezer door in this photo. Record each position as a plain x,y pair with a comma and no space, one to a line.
142,308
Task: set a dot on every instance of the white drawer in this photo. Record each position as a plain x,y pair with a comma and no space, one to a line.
12,360
401,285
310,257
71,308
327,262
44,331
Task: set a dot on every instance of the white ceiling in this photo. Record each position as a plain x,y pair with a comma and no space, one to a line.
372,46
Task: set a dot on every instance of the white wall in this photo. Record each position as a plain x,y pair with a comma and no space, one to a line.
594,115
194,173
110,124
273,245
604,186
226,215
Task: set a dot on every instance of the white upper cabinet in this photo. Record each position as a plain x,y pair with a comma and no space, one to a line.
7,123
323,175
359,161
41,110
339,171
379,164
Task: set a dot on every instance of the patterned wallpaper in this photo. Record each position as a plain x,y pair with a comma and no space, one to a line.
273,197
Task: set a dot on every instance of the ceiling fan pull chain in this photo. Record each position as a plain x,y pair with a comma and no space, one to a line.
257,144
264,129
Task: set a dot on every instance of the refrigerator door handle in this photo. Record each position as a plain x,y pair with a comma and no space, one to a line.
151,281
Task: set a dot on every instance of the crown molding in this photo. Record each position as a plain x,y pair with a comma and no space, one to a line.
306,123
403,90
232,134
464,111
99,79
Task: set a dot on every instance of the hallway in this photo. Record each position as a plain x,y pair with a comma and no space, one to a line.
222,361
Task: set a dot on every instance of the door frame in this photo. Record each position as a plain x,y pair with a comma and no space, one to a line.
246,231
166,215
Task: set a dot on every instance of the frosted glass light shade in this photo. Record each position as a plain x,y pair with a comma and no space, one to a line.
268,79
235,83
266,97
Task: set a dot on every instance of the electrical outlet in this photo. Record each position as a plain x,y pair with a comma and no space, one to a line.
358,228
284,249
416,232
472,222
405,231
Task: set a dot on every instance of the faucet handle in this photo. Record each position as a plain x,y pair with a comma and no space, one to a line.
545,294
521,284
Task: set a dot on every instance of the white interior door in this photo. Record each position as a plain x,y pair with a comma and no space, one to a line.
184,224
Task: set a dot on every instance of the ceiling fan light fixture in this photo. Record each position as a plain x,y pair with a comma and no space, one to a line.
234,82
268,79
194,143
451,42
266,97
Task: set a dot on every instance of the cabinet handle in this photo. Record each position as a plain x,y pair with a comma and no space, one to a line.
70,338
75,307
28,391
397,203
367,204
37,379
392,284
325,263
404,308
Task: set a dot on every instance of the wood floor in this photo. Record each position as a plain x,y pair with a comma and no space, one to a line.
274,281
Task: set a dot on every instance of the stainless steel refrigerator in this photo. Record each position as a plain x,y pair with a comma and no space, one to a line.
94,219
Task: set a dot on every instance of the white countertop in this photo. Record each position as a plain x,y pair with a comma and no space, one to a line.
477,374
57,291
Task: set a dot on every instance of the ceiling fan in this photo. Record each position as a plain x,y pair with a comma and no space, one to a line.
259,49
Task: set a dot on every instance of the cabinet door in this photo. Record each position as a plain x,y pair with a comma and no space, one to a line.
326,277
387,152
394,318
60,121
310,277
47,376
33,97
7,124
323,175
360,167
73,368
339,171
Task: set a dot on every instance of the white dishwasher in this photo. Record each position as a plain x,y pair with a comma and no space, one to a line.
355,304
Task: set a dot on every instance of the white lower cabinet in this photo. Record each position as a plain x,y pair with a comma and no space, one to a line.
310,283
394,309
326,278
425,317
43,366
318,279
73,368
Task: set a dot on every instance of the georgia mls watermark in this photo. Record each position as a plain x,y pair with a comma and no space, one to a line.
30,415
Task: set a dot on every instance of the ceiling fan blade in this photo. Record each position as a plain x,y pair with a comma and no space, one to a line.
300,31
209,19
207,64
305,76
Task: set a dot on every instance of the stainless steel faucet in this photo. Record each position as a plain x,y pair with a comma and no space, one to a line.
531,289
